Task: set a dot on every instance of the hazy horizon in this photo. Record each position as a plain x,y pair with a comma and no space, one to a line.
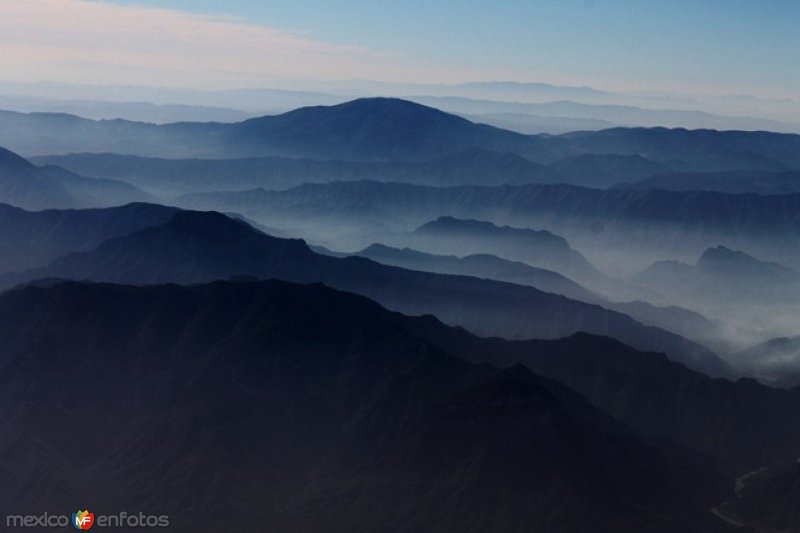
589,52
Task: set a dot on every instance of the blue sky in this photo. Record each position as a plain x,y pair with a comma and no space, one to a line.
726,46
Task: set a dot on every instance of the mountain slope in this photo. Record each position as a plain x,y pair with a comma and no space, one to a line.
681,321
387,128
621,230
481,266
767,500
375,129
698,150
605,170
198,247
660,398
726,275
776,360
26,186
214,398
183,176
369,129
96,192
31,239
735,182
539,248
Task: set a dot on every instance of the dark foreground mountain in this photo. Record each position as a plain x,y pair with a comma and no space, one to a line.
767,500
734,422
213,405
31,239
30,187
196,247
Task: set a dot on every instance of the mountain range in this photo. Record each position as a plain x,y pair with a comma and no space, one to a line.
475,166
195,247
735,181
482,265
724,275
181,176
390,129
381,429
619,230
659,398
535,247
367,129
30,187
588,331
684,322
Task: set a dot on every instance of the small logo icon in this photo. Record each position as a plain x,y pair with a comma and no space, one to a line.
83,520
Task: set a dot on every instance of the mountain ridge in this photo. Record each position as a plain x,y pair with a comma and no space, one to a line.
194,247
231,373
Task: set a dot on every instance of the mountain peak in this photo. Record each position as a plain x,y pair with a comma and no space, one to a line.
450,223
379,103
9,158
723,258
373,129
723,253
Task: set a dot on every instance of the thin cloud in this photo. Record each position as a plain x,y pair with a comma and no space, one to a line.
97,42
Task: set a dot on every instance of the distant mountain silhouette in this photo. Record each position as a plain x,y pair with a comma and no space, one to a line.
569,114
481,266
605,170
470,167
374,129
24,185
742,181
198,247
681,321
371,129
539,248
182,176
368,129
725,275
32,239
215,398
638,225
695,150
96,192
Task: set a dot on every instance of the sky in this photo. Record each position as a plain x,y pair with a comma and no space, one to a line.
700,46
